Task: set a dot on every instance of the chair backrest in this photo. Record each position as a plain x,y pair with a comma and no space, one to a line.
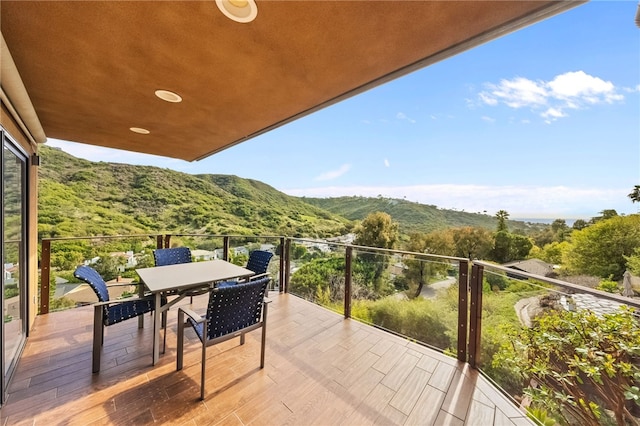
172,256
259,261
95,281
236,307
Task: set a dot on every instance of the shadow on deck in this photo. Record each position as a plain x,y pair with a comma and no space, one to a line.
320,369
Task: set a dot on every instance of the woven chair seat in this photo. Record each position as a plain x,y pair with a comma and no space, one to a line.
232,311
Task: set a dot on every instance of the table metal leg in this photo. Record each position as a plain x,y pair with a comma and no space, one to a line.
157,316
141,295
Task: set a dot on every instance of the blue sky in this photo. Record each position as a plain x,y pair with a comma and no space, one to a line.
542,123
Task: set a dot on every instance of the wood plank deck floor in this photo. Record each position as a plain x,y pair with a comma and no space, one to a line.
320,369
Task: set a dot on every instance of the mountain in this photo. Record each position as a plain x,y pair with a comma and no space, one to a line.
414,217
79,197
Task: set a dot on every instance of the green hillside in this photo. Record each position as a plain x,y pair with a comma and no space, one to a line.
79,197
83,198
413,217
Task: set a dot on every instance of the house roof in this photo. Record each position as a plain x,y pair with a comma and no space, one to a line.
532,266
87,71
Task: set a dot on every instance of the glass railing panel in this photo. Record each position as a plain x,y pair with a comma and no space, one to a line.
413,295
543,342
317,273
203,246
207,247
115,258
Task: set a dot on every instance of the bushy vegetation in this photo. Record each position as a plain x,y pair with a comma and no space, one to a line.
83,198
581,367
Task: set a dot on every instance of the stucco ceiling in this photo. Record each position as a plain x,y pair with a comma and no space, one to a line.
91,68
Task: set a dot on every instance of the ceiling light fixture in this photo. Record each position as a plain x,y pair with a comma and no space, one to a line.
139,130
238,10
168,96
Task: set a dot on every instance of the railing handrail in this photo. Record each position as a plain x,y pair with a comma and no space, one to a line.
100,237
223,235
566,285
384,250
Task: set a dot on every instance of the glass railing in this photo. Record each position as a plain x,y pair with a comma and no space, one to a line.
414,295
114,257
567,353
117,257
475,311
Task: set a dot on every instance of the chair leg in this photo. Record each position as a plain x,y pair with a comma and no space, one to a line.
180,345
98,338
204,361
164,341
264,334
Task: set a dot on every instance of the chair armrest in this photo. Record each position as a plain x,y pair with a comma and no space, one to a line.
116,301
257,276
196,318
253,277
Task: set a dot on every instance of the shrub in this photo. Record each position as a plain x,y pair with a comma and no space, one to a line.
585,365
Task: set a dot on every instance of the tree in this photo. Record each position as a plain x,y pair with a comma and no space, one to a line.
604,214
560,230
472,243
580,224
508,247
635,194
107,266
502,216
633,262
600,249
376,230
419,269
581,363
552,253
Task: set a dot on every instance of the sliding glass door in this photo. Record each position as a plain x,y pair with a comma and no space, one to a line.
14,249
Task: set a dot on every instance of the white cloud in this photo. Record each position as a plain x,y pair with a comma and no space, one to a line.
571,90
333,174
386,163
520,201
403,116
488,119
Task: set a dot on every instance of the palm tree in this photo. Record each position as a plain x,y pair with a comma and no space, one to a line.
502,217
635,194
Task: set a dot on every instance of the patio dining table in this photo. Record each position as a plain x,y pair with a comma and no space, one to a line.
182,277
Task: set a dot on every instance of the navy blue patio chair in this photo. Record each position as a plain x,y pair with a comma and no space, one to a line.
173,256
108,312
258,263
232,311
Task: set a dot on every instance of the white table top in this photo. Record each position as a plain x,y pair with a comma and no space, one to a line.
192,274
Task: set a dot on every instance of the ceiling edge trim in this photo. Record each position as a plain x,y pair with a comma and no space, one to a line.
544,12
15,95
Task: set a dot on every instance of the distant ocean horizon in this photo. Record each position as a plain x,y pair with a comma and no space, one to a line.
543,220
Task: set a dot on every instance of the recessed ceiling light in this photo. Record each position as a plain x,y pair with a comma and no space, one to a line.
238,10
139,130
168,96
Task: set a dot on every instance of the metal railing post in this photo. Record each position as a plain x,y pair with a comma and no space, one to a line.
347,281
463,307
225,248
475,323
45,276
285,261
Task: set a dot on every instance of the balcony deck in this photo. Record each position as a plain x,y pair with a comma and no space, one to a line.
320,369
